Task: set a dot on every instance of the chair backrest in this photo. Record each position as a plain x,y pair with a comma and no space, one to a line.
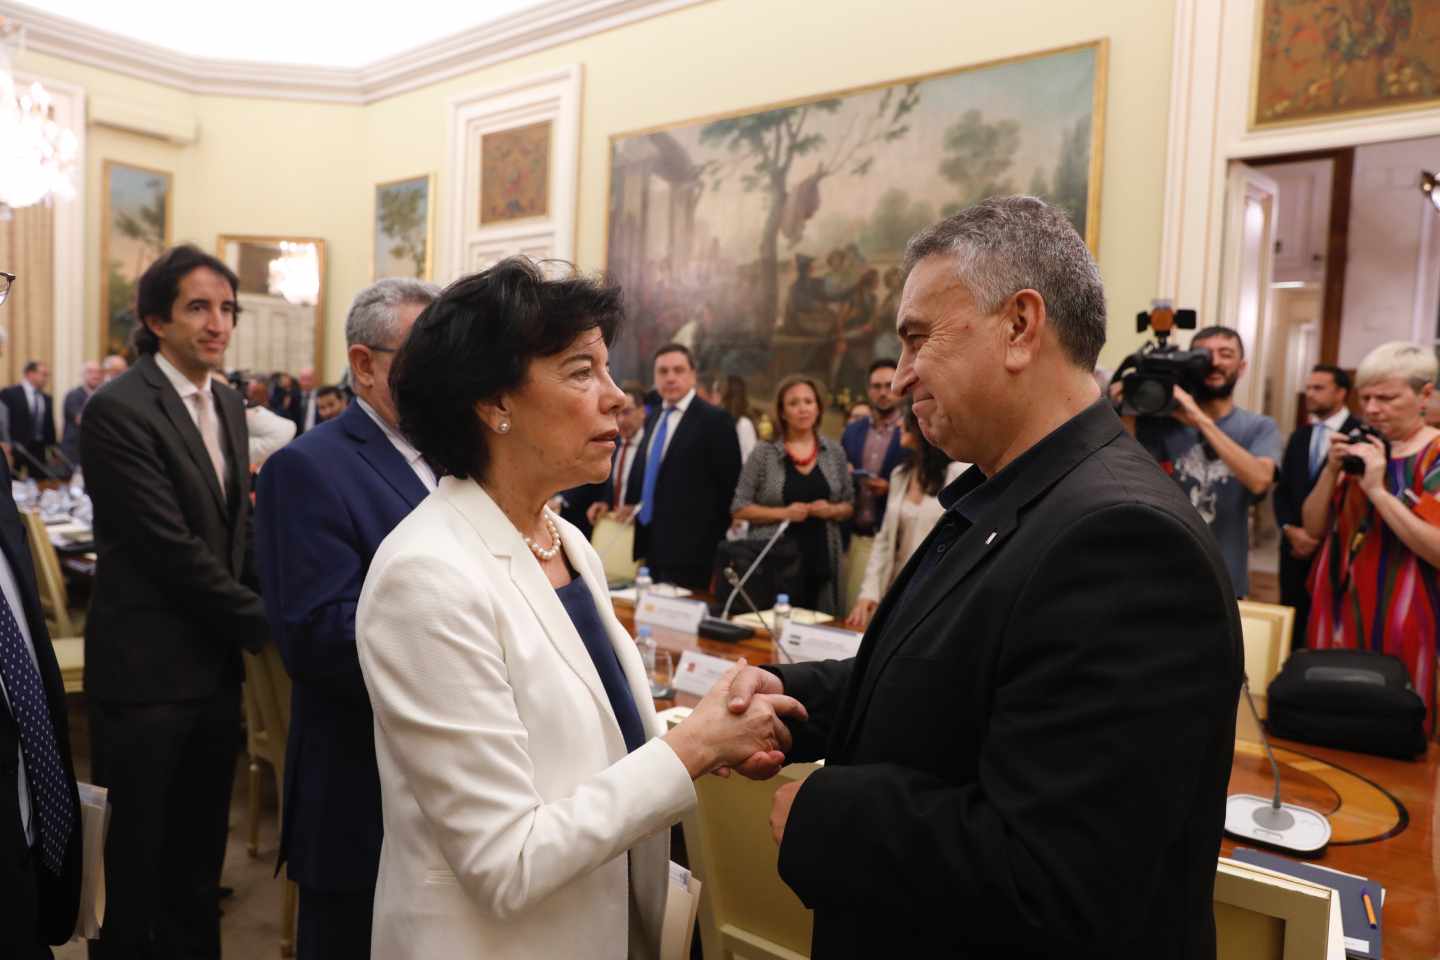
1268,630
268,694
1261,915
54,598
615,542
745,908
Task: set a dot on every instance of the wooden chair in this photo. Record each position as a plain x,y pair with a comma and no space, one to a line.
1262,915
67,628
267,725
1268,630
745,908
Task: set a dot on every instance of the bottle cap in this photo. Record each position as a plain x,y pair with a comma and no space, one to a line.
643,572
782,598
644,631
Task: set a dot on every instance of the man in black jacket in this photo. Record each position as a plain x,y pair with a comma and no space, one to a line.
32,413
166,458
1326,390
684,476
39,805
1029,755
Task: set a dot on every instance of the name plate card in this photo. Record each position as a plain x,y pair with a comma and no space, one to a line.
698,672
672,613
806,641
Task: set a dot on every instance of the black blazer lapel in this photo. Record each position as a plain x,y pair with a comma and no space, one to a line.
376,450
185,427
231,410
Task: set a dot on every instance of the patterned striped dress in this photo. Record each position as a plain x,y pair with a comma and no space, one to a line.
1371,592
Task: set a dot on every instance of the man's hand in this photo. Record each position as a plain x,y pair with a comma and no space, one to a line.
745,685
780,809
1187,411
1301,543
625,514
876,485
595,511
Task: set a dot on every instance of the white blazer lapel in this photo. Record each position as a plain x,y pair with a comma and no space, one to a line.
584,559
503,540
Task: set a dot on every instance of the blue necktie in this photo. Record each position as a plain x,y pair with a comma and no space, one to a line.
48,783
1318,448
652,467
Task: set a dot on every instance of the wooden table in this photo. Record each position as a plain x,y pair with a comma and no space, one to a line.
1362,795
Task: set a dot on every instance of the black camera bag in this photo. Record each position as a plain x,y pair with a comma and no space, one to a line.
1351,699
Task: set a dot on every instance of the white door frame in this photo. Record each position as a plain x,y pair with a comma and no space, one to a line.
1213,57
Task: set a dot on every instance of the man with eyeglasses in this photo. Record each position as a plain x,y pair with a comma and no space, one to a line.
872,445
324,503
39,803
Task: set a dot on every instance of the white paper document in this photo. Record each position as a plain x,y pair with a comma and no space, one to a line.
94,822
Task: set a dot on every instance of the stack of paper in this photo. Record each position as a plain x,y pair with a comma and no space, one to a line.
797,614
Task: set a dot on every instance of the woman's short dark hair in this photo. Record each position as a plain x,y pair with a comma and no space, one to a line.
160,284
476,341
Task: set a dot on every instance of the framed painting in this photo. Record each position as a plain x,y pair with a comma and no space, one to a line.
135,228
770,241
404,228
515,173
1325,59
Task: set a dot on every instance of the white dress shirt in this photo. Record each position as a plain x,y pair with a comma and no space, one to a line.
187,391
268,432
675,414
411,455
11,590
308,405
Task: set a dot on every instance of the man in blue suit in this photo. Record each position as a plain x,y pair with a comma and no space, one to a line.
323,505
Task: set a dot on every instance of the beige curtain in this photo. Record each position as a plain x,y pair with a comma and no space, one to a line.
27,249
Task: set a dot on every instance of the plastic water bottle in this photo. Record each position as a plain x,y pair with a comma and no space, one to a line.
646,642
642,584
780,615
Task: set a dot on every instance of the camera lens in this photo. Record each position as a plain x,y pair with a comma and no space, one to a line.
1148,397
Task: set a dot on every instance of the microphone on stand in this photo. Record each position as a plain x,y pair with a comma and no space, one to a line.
1284,826
720,628
738,586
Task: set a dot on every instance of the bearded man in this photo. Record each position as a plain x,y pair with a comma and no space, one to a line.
1223,456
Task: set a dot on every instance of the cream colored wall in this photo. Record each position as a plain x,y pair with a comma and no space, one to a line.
275,166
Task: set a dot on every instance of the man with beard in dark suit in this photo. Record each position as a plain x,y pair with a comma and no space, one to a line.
1029,755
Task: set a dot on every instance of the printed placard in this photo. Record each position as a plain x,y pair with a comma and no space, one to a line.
672,613
698,672
805,641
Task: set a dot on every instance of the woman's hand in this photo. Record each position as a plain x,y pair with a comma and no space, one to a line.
822,509
1339,450
796,512
713,736
1372,453
861,613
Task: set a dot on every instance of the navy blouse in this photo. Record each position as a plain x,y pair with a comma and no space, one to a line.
580,605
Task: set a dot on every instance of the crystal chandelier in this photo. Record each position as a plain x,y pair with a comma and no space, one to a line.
295,274
37,155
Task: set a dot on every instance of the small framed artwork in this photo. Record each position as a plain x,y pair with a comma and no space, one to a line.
1323,60
403,228
515,174
135,228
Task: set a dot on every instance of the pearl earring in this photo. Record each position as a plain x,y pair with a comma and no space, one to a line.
504,426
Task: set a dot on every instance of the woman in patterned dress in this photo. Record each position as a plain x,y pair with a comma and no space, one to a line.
1374,584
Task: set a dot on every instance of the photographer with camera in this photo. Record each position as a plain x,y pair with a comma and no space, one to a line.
1373,584
1223,456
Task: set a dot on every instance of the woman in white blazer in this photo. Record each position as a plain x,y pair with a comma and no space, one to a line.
911,512
526,785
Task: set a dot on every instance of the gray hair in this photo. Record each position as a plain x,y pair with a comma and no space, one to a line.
371,320
1408,361
1007,244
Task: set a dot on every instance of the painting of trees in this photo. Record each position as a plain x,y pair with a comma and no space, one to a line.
402,228
136,230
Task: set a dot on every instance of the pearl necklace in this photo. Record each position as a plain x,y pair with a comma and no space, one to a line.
545,554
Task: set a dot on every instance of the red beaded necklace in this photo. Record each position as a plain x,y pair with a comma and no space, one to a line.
803,461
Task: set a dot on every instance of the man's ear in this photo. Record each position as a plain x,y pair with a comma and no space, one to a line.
1025,320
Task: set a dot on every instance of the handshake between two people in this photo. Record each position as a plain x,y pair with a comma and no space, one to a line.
738,725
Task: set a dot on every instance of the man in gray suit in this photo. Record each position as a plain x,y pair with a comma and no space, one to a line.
75,400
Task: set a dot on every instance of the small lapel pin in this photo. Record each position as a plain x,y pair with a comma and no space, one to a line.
991,539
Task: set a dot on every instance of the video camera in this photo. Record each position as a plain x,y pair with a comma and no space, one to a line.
1150,374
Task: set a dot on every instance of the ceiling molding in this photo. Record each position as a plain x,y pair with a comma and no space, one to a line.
523,33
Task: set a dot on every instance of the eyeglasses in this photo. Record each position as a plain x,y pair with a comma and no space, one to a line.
6,279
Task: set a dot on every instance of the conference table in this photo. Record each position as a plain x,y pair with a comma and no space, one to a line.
1383,813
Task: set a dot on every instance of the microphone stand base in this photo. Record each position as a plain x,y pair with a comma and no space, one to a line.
714,628
1295,830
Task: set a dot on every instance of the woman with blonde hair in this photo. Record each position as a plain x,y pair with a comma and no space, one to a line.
1373,584
801,477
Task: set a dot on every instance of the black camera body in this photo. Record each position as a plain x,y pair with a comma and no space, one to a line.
1149,375
1352,464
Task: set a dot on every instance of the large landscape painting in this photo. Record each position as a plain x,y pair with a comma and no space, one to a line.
769,242
135,230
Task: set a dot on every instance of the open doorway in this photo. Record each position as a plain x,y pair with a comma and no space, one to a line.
1353,262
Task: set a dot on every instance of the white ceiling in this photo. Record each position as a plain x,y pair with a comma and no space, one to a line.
328,33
